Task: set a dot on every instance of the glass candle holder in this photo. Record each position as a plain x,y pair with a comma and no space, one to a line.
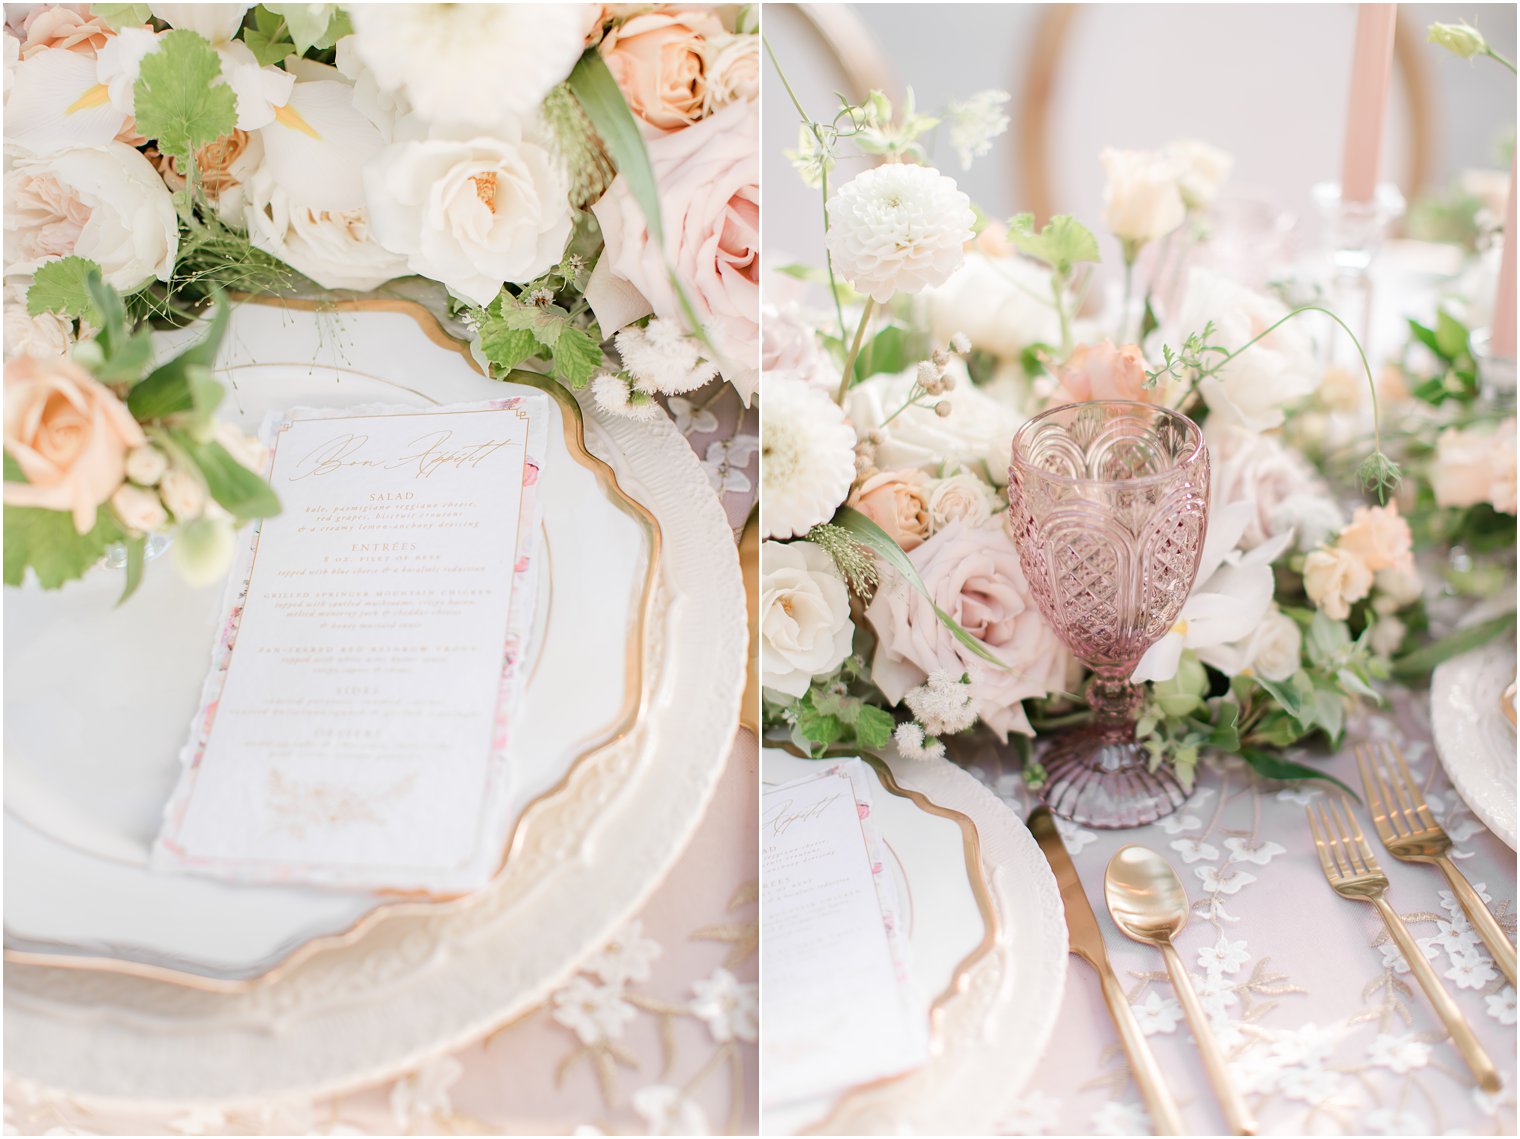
1353,234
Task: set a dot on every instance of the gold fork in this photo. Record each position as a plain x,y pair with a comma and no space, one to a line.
1411,834
1354,873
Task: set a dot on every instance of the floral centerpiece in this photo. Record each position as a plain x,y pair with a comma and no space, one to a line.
579,185
894,606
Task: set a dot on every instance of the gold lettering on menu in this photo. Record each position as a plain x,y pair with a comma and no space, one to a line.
437,450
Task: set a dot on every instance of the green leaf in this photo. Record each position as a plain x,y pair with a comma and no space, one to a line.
63,286
46,541
506,347
1418,664
1276,767
137,549
577,355
180,384
13,469
1061,244
1425,336
1289,698
887,351
310,25
241,492
268,37
546,322
874,727
118,16
1451,336
819,728
1225,735
178,102
872,536
599,96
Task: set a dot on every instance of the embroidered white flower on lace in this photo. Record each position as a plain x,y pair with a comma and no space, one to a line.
661,357
197,1121
975,122
1501,1005
1256,855
1450,904
594,1012
730,1008
1157,1014
898,229
1303,796
1401,1054
1192,850
691,419
1224,956
423,1095
1120,1119
1074,837
669,1111
615,397
1387,1121
1217,996
1181,824
627,957
1225,880
725,463
1471,972
912,744
1393,958
1034,1113
942,704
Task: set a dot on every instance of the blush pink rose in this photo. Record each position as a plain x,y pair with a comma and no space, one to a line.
709,181
1101,371
898,502
973,574
56,26
68,434
659,60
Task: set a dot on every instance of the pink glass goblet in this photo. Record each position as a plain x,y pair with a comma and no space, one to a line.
1108,502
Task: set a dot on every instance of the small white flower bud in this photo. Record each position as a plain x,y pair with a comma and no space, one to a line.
146,465
942,409
139,509
183,493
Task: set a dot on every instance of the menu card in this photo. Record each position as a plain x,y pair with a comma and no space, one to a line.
834,976
353,729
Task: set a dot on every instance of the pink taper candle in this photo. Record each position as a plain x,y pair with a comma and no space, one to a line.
1502,339
1371,74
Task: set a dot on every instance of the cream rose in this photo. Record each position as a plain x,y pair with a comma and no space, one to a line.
1101,371
805,628
1201,170
335,248
472,212
1333,578
977,432
659,60
68,434
1274,650
996,302
106,204
733,71
1476,466
709,179
1379,536
960,498
1285,490
898,502
973,574
1142,198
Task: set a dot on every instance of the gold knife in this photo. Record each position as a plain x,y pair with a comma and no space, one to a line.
1086,941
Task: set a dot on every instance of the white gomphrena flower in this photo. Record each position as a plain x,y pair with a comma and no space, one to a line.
898,229
807,454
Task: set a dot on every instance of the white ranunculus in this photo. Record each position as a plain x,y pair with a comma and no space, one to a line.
106,204
807,455
996,302
978,432
1254,389
1142,197
472,212
218,23
1201,170
898,229
335,248
805,628
470,63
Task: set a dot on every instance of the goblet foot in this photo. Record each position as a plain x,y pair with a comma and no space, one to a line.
1097,780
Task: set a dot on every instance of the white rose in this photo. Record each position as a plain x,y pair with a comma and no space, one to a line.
996,302
1201,170
1275,647
183,493
960,498
733,71
978,431
139,509
335,248
472,213
1249,465
146,465
27,335
1141,197
1333,578
1312,515
470,63
106,204
805,627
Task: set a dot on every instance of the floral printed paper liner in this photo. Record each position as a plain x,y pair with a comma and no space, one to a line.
493,825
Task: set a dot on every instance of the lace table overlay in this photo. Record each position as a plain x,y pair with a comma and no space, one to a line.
1324,1028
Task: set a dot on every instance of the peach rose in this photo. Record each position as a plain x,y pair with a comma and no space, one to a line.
1333,578
973,574
659,60
1379,536
1476,466
57,26
68,434
898,502
1101,371
733,71
709,179
223,165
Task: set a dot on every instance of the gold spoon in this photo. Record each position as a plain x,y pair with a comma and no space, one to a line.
1150,906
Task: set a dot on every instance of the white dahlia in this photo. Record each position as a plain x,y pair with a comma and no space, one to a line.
807,457
898,229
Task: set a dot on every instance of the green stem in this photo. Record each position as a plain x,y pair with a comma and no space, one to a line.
849,361
912,402
1058,293
1130,253
1492,54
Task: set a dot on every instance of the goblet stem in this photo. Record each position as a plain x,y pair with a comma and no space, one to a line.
1115,701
